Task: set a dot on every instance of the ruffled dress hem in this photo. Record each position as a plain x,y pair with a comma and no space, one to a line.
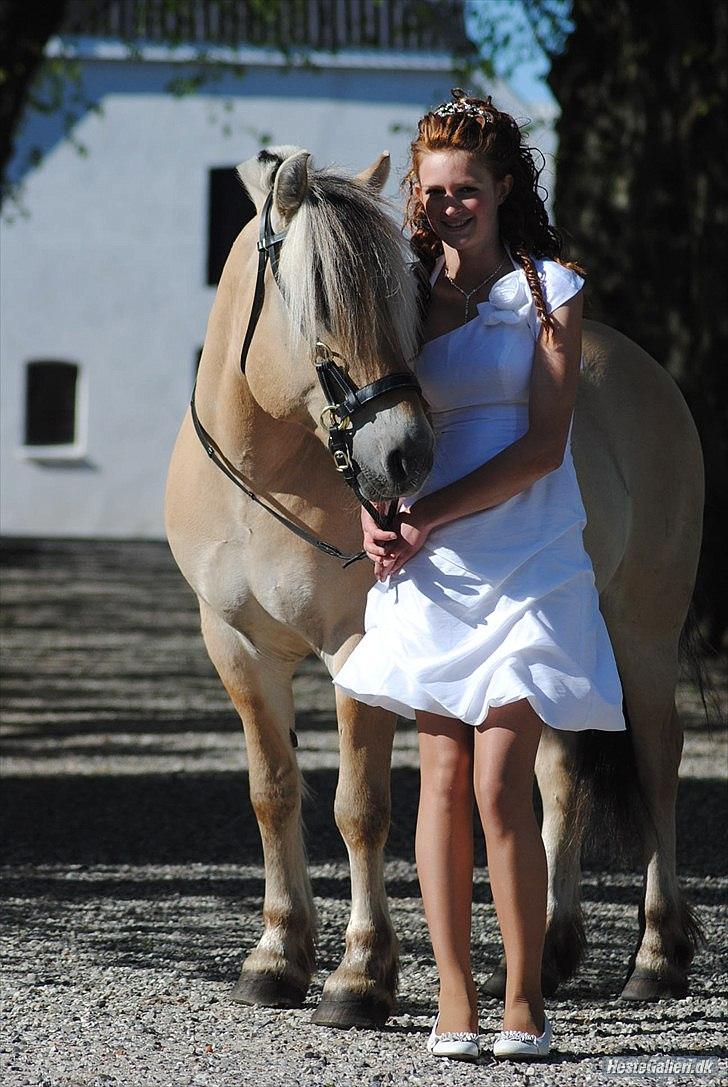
610,717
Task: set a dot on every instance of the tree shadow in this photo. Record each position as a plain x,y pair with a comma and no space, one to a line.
188,818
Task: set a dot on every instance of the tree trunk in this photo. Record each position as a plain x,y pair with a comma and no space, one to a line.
642,196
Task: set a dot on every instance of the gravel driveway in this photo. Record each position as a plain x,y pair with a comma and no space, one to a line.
133,881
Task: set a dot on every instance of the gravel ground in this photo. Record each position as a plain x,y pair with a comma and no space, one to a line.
133,883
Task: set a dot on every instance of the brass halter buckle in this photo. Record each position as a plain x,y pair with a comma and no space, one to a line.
342,460
324,352
329,417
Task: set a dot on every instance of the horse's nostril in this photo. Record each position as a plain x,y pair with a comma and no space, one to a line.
408,464
397,466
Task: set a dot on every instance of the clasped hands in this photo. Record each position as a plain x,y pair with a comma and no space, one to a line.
390,549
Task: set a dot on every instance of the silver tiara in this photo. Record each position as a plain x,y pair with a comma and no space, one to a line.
460,104
449,109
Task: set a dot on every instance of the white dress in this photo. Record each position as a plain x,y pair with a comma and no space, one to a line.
501,604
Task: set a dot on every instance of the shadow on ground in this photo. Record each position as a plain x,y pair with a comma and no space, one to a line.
185,818
102,653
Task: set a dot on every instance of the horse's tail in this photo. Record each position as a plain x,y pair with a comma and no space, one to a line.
610,811
694,650
610,817
608,804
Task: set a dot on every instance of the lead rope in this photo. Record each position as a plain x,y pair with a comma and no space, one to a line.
218,458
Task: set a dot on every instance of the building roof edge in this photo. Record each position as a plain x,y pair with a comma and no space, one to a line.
82,47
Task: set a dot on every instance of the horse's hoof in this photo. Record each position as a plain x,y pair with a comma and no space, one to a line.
495,985
352,1011
268,990
652,987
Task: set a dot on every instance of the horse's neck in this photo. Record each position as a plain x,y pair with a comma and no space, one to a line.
257,443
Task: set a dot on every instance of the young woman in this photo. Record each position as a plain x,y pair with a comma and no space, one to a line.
484,622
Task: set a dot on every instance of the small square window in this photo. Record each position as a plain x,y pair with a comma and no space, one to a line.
50,403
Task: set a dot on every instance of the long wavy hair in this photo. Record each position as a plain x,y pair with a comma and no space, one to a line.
475,125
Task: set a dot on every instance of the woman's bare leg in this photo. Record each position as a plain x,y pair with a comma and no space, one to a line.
504,757
444,854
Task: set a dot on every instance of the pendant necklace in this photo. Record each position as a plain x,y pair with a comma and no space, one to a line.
469,294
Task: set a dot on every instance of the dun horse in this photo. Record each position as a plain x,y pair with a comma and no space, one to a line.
268,598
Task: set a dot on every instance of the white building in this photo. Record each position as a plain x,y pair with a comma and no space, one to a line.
107,282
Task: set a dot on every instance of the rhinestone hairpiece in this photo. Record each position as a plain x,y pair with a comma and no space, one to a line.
459,103
450,109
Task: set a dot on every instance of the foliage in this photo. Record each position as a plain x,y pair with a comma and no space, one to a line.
55,87
52,85
640,183
508,33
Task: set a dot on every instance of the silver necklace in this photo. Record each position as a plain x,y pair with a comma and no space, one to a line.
469,294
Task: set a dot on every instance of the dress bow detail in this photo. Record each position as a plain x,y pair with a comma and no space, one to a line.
509,301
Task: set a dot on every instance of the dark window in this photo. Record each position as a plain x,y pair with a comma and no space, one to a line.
50,402
229,209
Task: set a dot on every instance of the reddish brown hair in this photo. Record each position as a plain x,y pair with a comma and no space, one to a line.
496,140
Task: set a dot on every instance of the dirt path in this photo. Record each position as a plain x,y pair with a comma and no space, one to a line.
132,879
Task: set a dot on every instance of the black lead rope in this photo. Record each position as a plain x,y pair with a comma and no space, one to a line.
218,459
343,396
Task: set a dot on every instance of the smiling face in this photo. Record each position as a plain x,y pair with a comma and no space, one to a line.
461,199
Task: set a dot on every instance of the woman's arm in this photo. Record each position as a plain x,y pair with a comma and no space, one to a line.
554,380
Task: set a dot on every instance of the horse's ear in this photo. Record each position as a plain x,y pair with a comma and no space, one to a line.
257,172
375,176
291,184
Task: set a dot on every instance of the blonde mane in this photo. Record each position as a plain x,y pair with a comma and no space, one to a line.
343,271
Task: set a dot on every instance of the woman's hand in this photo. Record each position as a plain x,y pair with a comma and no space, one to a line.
377,541
411,531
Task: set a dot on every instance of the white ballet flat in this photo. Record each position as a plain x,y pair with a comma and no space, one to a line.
520,1045
458,1045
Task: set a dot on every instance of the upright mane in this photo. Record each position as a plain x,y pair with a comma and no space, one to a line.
343,269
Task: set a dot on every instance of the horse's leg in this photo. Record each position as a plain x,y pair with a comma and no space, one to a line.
565,941
561,829
361,991
669,929
278,971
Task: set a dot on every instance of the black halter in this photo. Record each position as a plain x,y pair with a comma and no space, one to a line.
344,399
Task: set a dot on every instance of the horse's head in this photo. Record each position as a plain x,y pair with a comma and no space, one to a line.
344,280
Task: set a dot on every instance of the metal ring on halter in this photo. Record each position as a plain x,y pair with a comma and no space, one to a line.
324,352
333,421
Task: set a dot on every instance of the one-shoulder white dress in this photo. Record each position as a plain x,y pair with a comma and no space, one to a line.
501,604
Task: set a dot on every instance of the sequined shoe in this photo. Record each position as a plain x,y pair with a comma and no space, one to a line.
458,1045
519,1045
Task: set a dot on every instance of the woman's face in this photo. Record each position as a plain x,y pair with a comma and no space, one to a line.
461,198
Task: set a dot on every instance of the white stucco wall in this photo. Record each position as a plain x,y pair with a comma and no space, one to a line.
109,267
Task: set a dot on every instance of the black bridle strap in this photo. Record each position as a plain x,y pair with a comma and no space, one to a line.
268,243
223,464
344,399
343,396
